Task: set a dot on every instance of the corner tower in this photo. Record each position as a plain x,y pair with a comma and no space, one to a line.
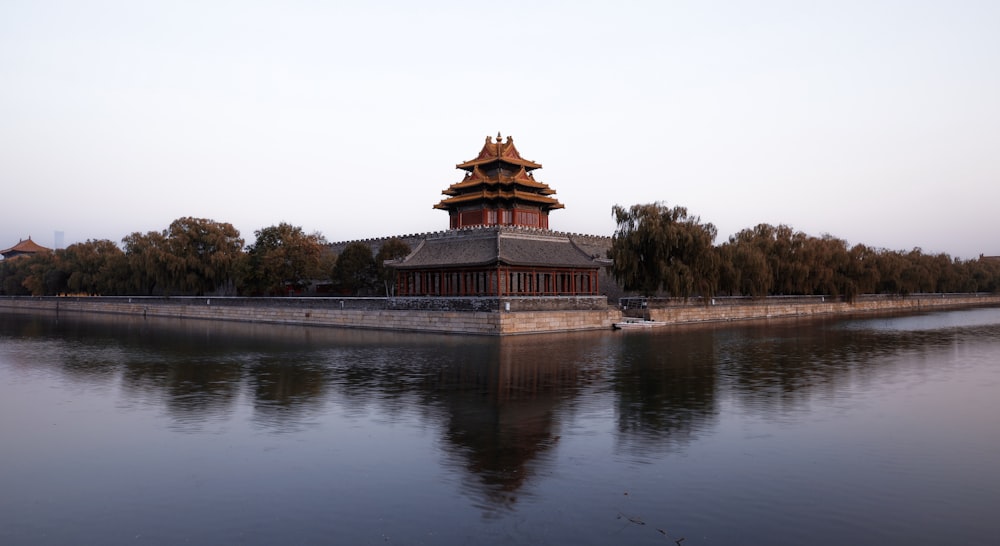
499,189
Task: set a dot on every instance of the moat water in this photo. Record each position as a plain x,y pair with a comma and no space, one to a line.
873,430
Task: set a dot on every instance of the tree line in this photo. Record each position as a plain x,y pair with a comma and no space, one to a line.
655,250
663,250
197,256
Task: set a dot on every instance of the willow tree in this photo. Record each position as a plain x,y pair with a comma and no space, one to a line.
44,274
202,255
146,259
95,267
657,249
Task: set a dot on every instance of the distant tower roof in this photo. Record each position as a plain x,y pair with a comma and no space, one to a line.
499,188
23,247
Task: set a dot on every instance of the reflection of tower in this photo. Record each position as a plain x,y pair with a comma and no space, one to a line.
502,413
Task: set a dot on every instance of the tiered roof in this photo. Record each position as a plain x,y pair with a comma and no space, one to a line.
494,150
499,179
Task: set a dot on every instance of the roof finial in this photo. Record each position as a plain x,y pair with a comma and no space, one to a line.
499,138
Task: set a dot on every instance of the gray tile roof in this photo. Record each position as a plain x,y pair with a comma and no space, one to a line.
488,246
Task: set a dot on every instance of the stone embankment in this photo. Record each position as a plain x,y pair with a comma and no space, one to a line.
733,309
481,316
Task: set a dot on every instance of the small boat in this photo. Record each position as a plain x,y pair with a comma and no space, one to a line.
637,323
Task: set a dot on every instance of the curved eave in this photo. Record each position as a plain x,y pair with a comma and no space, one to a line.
496,150
27,246
485,195
520,162
547,265
538,187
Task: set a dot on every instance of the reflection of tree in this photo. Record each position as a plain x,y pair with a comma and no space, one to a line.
666,388
181,363
192,391
283,391
184,367
779,366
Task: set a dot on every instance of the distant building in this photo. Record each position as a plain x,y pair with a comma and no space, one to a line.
23,248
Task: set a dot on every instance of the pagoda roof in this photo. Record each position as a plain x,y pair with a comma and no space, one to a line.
26,246
479,247
495,195
494,151
477,177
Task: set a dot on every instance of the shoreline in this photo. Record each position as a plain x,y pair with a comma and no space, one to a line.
483,316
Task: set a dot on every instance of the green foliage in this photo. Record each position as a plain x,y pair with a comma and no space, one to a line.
283,258
201,256
193,256
146,263
393,249
45,274
13,273
354,272
769,260
656,248
660,249
94,268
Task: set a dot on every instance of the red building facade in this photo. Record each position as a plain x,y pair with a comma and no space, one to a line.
497,261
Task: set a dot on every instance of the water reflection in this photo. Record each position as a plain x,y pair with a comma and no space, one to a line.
502,408
192,392
666,388
499,408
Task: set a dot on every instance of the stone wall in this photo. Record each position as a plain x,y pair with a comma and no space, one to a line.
805,307
533,322
480,316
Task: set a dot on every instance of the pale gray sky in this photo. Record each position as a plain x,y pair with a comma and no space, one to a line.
874,121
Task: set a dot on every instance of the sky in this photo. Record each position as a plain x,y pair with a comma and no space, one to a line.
877,122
